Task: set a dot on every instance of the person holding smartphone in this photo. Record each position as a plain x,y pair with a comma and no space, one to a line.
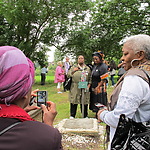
18,130
131,95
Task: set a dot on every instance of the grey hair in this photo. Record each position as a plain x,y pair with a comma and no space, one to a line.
140,42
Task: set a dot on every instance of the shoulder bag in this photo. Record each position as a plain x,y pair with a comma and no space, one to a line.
131,135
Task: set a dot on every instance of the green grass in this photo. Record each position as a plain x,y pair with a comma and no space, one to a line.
49,79
61,100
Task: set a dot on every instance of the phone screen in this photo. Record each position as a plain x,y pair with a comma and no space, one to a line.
100,106
41,97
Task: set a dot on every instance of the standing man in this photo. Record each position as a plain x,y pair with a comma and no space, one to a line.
43,75
66,65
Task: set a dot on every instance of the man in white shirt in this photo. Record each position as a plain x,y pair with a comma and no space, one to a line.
43,75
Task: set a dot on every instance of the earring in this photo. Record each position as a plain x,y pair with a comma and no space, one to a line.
135,63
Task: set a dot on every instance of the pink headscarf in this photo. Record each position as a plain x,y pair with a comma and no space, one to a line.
16,74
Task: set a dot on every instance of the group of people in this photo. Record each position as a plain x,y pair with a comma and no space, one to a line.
131,95
60,74
94,77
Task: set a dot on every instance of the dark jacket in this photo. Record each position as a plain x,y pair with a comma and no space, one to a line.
29,135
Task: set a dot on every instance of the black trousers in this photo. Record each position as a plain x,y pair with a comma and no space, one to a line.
73,109
99,98
43,77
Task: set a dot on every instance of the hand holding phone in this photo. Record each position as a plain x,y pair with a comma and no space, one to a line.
49,113
33,96
32,100
100,106
41,97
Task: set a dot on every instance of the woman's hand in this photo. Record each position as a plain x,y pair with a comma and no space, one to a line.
49,113
75,69
33,93
33,97
89,85
97,90
98,114
30,106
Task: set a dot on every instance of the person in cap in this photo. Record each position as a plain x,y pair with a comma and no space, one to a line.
99,80
18,131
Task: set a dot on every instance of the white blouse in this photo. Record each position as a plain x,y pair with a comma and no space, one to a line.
133,101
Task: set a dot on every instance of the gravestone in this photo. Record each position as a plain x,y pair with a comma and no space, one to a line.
80,126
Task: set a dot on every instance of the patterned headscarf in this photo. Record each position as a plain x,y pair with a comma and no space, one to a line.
16,74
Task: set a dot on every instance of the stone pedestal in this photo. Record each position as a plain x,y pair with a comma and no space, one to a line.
80,126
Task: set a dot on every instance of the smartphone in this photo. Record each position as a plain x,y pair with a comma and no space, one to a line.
100,106
41,97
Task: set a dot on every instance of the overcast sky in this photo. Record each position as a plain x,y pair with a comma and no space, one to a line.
51,54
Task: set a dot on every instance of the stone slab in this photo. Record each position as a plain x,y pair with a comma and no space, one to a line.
79,126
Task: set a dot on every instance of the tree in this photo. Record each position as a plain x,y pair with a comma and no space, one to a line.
60,23
110,22
27,23
118,19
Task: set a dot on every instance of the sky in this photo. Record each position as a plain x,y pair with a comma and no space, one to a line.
51,54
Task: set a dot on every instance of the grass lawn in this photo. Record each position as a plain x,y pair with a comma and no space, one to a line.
61,100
